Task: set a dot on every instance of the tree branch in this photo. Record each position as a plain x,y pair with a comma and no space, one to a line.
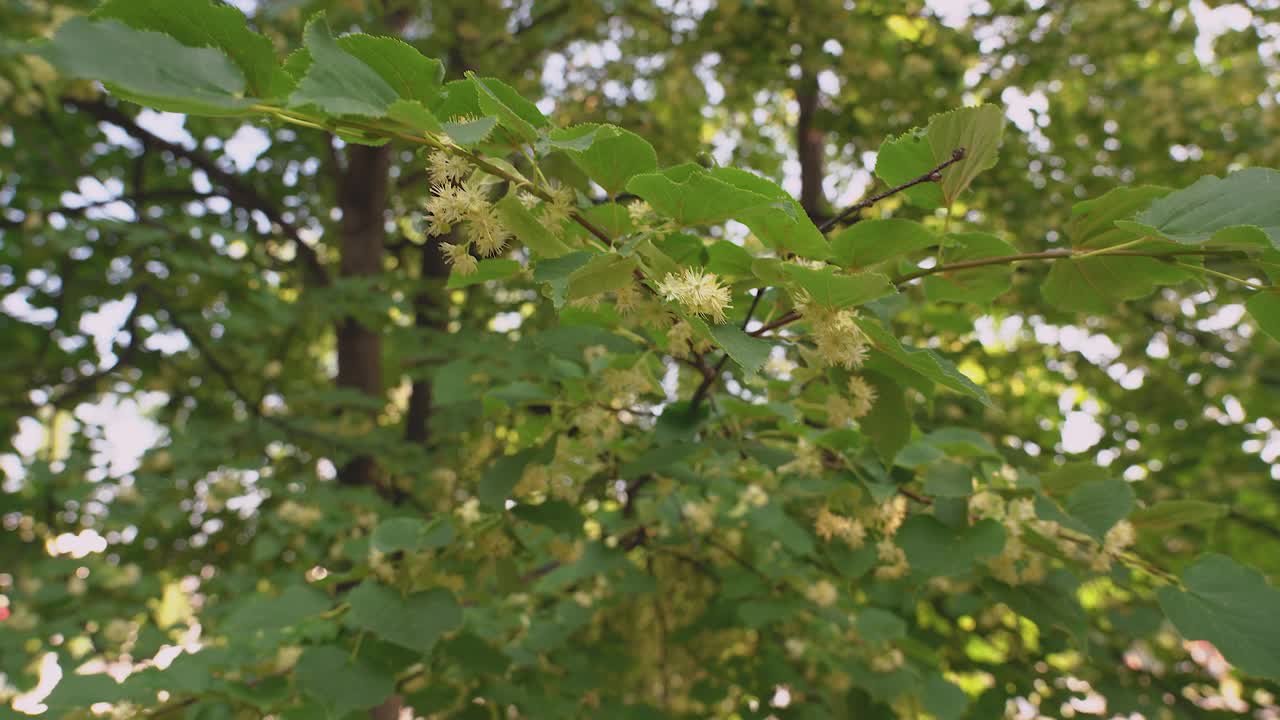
237,191
1055,254
934,175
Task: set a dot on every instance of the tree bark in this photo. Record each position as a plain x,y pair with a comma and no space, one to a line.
811,148
430,312
362,196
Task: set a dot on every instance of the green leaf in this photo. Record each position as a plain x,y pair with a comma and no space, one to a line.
336,81
501,476
409,73
747,351
207,24
780,223
944,700
1053,603
1099,504
728,260
690,196
555,272
261,612
471,132
657,459
514,112
876,240
486,270
325,674
411,534
148,67
888,425
876,625
413,621
611,158
978,285
1093,222
905,158
1231,606
961,442
605,272
415,115
1097,284
77,692
976,129
1173,513
1265,309
516,218
948,479
936,550
1238,210
925,363
835,290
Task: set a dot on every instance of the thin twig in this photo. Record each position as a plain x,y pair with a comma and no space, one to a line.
709,376
1056,254
934,175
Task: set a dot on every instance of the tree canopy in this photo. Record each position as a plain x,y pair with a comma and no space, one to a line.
565,358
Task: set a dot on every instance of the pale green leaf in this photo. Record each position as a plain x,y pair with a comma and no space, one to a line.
612,157
336,81
833,289
415,115
925,363
603,273
690,196
203,23
486,270
747,351
516,218
1173,513
470,132
148,67
513,112
1264,307
876,240
976,129
906,158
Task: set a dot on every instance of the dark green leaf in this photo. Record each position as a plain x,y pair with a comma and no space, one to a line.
413,621
1231,606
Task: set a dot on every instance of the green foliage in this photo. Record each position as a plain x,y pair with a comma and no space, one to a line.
402,459
1230,606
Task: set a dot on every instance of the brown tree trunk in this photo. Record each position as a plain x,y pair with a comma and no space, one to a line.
811,148
430,312
362,196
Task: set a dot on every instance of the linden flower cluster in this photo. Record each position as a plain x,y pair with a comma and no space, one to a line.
837,337
699,292
830,525
451,203
843,410
558,209
822,593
